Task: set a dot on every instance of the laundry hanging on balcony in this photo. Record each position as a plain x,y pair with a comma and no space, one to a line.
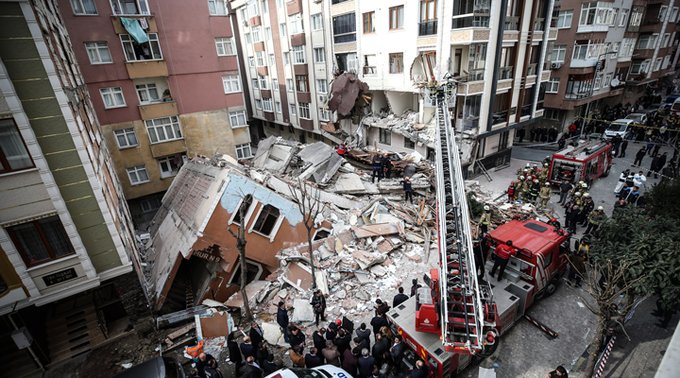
135,29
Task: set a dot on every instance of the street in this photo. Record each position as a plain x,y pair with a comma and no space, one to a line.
525,351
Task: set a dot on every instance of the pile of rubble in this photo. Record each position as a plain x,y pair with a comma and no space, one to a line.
407,125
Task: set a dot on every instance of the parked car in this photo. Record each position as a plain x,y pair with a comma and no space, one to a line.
323,371
159,367
639,118
668,103
676,106
620,127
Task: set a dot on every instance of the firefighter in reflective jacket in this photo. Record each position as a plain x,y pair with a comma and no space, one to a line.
485,221
503,253
544,194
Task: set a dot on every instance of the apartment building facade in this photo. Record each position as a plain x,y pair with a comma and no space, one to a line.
65,229
164,89
494,49
608,52
287,50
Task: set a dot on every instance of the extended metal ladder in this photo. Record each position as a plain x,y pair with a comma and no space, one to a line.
464,301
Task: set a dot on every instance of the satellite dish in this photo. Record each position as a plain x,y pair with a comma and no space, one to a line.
615,82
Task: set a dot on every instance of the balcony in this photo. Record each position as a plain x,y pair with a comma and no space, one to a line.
258,46
511,23
168,148
263,71
158,109
269,116
294,7
146,69
255,21
505,73
427,28
594,28
532,69
266,93
539,24
500,117
297,39
118,28
300,69
304,97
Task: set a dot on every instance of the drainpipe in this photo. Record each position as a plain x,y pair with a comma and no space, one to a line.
496,63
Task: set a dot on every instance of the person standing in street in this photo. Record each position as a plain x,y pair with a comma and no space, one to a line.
595,219
408,189
544,195
565,188
319,305
639,156
256,334
503,253
377,167
399,298
622,181
282,319
485,220
624,145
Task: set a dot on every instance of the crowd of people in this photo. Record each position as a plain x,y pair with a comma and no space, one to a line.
370,351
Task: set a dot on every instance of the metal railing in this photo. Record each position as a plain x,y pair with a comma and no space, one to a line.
427,27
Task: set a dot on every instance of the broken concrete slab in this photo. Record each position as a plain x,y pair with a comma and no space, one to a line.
302,311
272,333
215,326
299,276
377,230
366,259
252,291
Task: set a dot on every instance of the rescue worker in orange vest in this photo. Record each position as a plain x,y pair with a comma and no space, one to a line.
503,253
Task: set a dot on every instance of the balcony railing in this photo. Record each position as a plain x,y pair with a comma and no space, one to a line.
539,24
576,95
526,110
500,117
470,22
427,28
511,23
531,70
473,75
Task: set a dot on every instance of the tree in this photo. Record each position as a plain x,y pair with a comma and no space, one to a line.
309,204
241,241
635,255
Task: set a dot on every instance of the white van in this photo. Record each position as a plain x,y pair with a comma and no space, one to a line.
620,127
676,106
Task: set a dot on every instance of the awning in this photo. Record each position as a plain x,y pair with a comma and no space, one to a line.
135,29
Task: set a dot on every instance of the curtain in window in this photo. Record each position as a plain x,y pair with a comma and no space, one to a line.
13,146
135,29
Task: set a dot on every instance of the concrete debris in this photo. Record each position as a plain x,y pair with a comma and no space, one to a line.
407,125
302,311
377,230
367,259
253,290
272,333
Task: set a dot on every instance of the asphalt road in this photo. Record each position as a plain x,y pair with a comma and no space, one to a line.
525,351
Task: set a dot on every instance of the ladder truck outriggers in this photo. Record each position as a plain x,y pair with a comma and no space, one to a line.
455,318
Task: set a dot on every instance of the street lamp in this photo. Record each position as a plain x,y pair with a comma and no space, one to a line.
598,68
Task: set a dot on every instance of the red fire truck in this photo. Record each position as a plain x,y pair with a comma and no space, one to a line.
457,315
533,273
584,162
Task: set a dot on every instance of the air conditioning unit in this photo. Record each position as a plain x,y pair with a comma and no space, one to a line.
555,66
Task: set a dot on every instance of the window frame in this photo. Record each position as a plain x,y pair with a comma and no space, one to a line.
127,39
396,17
139,8
172,126
125,133
167,160
556,50
567,14
230,79
236,115
345,36
96,49
384,136
322,55
44,239
317,20
135,169
84,13
552,83
301,83
391,57
223,42
265,211
214,10
113,91
303,107
243,146
146,90
299,55
6,166
292,109
321,86
248,211
368,22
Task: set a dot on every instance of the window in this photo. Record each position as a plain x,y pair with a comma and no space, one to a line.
369,27
580,51
324,115
150,205
147,93
249,38
588,12
13,153
640,67
321,86
662,12
304,110
238,119
552,85
258,104
293,110
301,83
598,82
647,41
264,82
385,136
170,165
616,47
277,106
130,7
98,52
317,22
255,35
623,15
397,17
564,19
259,57
126,138
299,55
275,84
83,7
224,46
674,15
243,151
635,18
396,63
145,51
231,83
255,83
272,59
265,7
666,39
290,85
112,97
41,240
286,58
163,129
558,54
344,28
242,212
296,26
267,105
428,10
268,33
657,64
319,55
282,30
607,80
266,220
408,143
138,175
217,7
